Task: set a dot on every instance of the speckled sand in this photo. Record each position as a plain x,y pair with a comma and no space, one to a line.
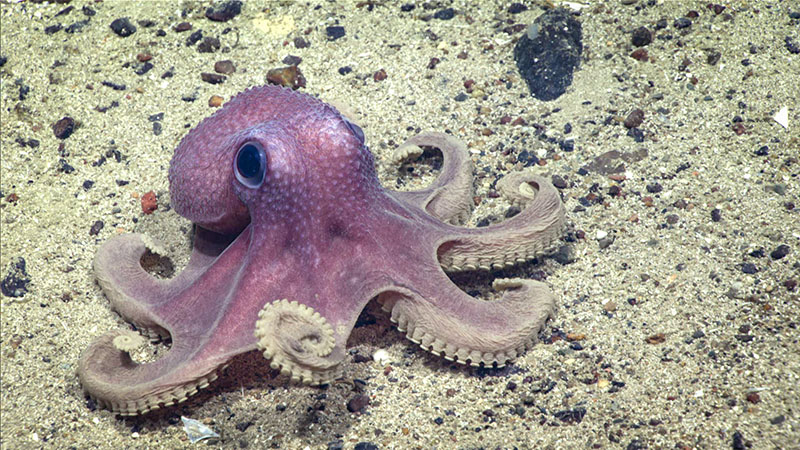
728,369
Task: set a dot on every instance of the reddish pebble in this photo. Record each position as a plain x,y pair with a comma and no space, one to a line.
634,119
379,75
640,54
149,202
753,397
738,128
144,57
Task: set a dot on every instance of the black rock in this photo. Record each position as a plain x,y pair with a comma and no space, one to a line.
779,252
749,268
64,127
681,23
571,416
738,441
792,45
334,33
549,52
78,26
517,8
225,11
358,403
641,37
444,14
15,283
123,27
365,446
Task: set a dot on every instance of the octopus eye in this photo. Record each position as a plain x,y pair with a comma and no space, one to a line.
356,130
251,164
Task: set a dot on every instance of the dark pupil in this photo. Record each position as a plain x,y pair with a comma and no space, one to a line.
249,162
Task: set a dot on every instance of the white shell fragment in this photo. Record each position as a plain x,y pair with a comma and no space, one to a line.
196,431
381,357
782,117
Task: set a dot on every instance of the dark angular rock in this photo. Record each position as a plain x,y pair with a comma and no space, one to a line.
225,11
358,403
123,27
209,45
15,283
779,252
64,127
444,14
517,8
549,52
641,37
334,33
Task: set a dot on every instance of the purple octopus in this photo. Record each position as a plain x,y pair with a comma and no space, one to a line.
294,235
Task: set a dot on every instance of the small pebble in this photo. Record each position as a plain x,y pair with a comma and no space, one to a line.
123,27
212,78
777,420
681,23
290,76
300,42
738,441
365,446
654,188
334,32
559,182
215,101
749,268
779,252
517,8
149,202
444,14
634,119
16,281
641,37
358,403
224,67
225,11
64,127
640,54
209,45
381,357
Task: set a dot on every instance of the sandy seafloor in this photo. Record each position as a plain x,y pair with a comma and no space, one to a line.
722,366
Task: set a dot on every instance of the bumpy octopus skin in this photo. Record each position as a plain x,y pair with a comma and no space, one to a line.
294,235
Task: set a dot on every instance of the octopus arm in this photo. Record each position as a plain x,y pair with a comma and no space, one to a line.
449,197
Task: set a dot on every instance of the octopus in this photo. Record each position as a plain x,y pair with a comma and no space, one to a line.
293,235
